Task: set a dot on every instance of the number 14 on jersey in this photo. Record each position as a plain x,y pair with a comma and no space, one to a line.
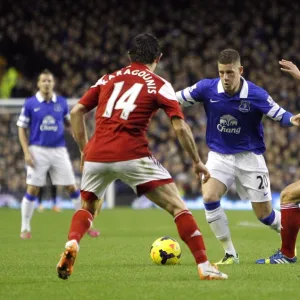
125,102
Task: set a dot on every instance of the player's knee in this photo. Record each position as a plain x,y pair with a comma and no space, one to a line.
71,188
210,197
33,190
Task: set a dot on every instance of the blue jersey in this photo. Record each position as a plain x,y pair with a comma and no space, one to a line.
45,120
233,122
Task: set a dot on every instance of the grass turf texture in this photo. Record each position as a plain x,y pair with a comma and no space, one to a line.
117,265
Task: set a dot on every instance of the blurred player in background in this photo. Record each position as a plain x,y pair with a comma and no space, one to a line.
125,101
234,108
289,204
45,115
53,191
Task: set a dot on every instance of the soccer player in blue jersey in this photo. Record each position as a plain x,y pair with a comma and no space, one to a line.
289,204
45,115
234,108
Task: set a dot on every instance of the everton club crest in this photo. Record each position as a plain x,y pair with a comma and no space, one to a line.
244,106
57,107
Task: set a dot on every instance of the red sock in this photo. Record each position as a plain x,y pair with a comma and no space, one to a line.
290,225
191,235
81,222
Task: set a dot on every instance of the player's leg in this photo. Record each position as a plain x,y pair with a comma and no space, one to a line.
222,176
40,200
76,199
290,225
95,179
167,197
290,218
36,178
146,176
216,217
27,208
253,183
53,191
267,215
62,173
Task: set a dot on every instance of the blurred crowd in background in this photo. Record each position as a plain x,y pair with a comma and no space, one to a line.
83,40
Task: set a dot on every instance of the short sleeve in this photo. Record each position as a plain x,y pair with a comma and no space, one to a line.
90,99
168,102
192,94
25,116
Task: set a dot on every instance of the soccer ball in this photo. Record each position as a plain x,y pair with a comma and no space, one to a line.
165,251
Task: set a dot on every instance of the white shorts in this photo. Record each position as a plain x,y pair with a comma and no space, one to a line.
56,161
142,175
246,169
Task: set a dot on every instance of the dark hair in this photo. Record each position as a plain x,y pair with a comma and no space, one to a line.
229,56
45,72
144,48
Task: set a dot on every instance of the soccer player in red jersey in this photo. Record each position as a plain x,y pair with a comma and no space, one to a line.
125,101
289,204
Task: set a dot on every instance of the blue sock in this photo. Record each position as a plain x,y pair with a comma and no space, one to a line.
75,195
30,197
270,219
212,205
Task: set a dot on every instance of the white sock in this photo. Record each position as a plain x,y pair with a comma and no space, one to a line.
70,242
204,265
218,223
27,208
276,225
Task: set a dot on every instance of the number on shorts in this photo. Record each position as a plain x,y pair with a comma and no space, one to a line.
263,182
125,102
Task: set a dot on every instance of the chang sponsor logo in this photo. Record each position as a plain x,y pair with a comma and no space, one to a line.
48,124
229,124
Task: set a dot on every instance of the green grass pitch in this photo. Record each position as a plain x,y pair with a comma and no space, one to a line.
117,264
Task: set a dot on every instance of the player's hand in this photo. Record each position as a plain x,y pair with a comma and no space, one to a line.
296,120
200,170
289,67
29,160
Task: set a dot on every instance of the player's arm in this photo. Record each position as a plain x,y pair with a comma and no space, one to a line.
78,125
23,138
193,94
169,103
290,68
186,139
23,124
67,121
68,127
270,108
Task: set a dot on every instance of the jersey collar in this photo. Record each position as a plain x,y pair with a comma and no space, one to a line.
243,92
41,99
139,65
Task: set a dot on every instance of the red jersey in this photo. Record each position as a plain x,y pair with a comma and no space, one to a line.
126,100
